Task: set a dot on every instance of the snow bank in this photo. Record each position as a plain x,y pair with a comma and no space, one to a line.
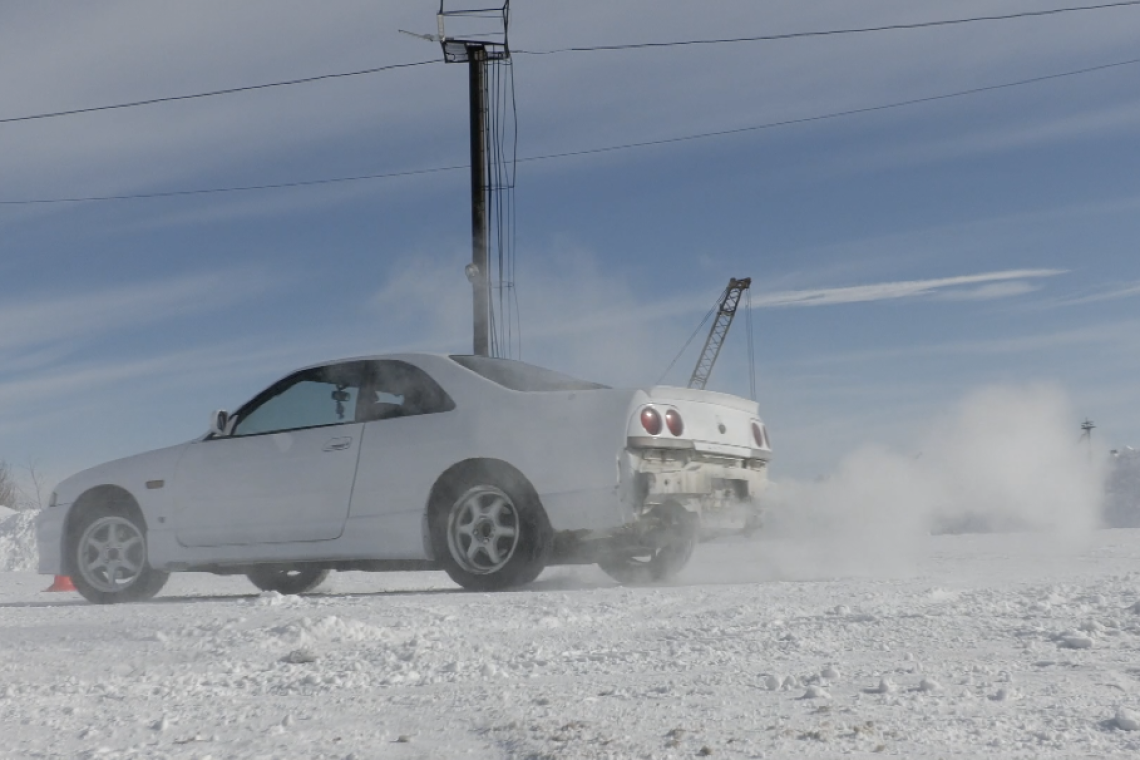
18,541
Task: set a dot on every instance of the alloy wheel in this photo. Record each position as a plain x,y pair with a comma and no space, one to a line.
111,553
483,530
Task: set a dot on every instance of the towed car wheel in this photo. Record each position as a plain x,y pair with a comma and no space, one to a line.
288,580
490,536
110,559
675,538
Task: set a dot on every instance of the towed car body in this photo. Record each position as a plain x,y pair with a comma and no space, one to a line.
394,436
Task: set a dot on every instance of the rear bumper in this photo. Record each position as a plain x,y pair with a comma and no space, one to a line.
725,490
49,540
707,484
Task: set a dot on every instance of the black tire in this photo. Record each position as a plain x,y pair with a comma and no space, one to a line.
287,580
488,530
107,552
663,563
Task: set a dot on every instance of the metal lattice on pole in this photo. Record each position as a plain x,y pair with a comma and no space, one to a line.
465,25
724,316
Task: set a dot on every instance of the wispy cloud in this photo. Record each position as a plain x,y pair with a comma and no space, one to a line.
888,291
986,137
417,294
990,291
1120,334
578,304
86,384
36,322
1127,290
992,285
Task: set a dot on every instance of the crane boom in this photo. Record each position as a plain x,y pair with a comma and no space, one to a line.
724,316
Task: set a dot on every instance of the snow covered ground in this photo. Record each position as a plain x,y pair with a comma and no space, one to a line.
970,645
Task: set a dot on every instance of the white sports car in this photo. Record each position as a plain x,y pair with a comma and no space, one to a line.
489,469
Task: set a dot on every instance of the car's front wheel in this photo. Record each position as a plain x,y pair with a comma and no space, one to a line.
490,533
287,580
109,558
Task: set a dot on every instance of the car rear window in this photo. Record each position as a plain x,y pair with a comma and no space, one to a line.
519,376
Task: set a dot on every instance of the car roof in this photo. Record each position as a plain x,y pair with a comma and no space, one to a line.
372,357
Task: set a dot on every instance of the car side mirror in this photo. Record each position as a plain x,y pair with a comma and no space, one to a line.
220,422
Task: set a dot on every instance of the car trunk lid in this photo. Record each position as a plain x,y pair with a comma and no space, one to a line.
715,423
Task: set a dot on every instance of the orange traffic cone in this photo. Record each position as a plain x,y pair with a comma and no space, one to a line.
61,583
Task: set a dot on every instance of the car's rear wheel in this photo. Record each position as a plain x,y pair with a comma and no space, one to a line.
287,580
675,540
489,532
109,557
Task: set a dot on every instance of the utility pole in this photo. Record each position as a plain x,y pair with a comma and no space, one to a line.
480,282
476,50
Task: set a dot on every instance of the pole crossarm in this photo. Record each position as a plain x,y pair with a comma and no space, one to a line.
724,316
468,25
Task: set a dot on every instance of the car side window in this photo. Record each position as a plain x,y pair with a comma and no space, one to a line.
313,398
398,389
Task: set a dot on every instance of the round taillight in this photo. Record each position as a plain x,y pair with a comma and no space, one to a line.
651,420
674,422
758,434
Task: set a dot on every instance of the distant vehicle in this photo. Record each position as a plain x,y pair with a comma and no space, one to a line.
489,469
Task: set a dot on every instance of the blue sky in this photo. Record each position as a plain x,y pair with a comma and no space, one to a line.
900,259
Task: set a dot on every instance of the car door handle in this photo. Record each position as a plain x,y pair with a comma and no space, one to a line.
338,444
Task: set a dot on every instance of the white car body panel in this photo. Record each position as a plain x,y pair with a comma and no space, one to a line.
551,437
280,497
274,488
131,474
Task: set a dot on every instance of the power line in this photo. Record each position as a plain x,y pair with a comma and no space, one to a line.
588,151
834,115
235,189
213,93
834,32
708,315
596,48
632,46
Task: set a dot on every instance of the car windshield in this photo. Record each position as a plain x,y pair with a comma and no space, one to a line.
519,376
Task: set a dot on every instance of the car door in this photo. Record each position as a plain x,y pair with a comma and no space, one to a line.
285,472
409,439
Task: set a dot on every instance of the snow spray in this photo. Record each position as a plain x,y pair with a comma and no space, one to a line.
1005,460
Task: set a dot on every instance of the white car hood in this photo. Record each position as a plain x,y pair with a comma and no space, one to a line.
130,473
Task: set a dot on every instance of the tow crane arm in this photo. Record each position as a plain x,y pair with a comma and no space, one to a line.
724,316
